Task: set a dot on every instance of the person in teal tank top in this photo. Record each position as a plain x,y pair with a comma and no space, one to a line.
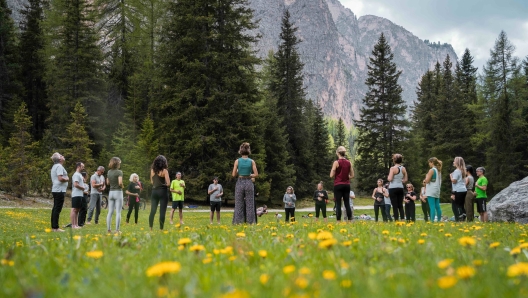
245,168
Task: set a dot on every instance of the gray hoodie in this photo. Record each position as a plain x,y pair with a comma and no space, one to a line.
287,199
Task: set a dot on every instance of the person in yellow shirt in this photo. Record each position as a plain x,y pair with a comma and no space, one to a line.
177,188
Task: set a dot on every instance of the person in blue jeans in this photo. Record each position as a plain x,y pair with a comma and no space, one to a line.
432,182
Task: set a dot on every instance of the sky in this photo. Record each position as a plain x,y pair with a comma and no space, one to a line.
472,24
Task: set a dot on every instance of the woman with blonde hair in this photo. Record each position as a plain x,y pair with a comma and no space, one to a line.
133,189
433,181
245,168
458,182
289,203
397,177
342,172
114,178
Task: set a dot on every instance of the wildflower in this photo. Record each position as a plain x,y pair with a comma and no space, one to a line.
329,275
465,272
515,251
423,234
264,278
96,254
346,283
5,262
446,282
441,230
305,271
241,235
342,231
523,245
421,241
448,235
163,268
289,236
273,234
401,240
494,244
181,247
288,250
518,269
445,263
385,232
356,239
236,294
328,243
347,243
207,260
288,269
467,241
47,230
477,262
400,223
232,258
197,248
263,253
162,291
227,250
324,235
76,237
312,236
184,241
301,282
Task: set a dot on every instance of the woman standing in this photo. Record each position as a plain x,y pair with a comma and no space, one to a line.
159,177
321,198
410,206
425,205
433,180
245,168
342,172
132,191
470,186
378,195
114,178
289,203
397,177
458,182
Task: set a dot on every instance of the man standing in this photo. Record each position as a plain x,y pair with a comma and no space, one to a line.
97,182
84,207
77,195
480,194
59,179
216,192
177,189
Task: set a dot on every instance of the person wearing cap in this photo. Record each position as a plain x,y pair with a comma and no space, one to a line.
480,193
177,188
342,172
215,192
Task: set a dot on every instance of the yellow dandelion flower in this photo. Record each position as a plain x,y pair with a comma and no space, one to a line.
520,241
5,262
343,264
163,268
385,232
467,241
478,262
273,234
197,248
421,241
445,263
207,260
401,240
288,269
347,243
305,271
441,230
328,243
264,278
162,291
289,236
227,250
465,272
448,235
232,258
329,275
423,234
263,253
301,282
515,251
342,231
494,244
96,254
181,247
236,294
523,245
324,235
76,237
446,282
184,241
346,283
312,236
47,230
356,239
241,235
518,269
186,229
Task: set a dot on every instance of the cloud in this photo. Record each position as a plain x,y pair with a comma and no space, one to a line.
473,24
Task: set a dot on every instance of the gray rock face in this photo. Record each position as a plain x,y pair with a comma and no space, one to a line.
335,50
511,204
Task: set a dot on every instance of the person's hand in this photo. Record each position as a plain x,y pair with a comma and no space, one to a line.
182,184
319,198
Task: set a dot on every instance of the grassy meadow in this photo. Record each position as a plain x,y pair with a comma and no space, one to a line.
271,259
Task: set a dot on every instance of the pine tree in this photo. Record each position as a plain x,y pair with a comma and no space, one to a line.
321,146
10,88
287,88
207,106
382,128
341,133
33,66
73,70
77,140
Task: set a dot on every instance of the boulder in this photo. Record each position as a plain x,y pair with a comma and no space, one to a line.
511,204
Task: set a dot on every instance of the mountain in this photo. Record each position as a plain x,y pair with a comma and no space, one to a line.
335,49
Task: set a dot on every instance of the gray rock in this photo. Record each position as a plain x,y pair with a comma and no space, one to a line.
511,204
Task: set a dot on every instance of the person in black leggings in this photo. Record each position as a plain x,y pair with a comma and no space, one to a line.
159,177
379,195
133,189
397,176
342,172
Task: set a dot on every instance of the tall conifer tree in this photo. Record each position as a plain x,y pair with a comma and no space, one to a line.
382,128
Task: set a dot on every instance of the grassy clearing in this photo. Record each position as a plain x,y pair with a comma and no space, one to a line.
305,259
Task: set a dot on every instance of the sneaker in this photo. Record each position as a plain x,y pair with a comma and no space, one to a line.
68,225
58,230
462,216
88,223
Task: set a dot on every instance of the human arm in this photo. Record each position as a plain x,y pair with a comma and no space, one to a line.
374,194
483,184
120,181
391,175
351,174
221,192
211,189
151,175
385,192
294,198
129,192
352,195
405,177
77,184
413,196
335,165
235,168
61,174
429,176
454,176
255,171
325,195
166,175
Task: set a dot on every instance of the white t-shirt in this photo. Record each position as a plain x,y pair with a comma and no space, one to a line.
460,184
77,177
56,171
351,200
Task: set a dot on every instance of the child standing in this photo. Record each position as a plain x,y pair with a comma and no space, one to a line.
289,203
177,188
215,192
410,207
387,207
425,205
321,198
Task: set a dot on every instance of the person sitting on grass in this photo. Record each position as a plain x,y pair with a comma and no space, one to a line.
262,210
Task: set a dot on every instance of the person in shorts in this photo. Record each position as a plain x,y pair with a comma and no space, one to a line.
177,188
77,195
480,194
215,192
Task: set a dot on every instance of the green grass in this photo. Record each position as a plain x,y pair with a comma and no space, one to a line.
368,260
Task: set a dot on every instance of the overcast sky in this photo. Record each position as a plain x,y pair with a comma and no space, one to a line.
472,24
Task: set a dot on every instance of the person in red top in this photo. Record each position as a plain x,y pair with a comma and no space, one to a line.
342,172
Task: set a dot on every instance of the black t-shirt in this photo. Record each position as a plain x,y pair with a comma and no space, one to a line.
324,197
412,194
132,188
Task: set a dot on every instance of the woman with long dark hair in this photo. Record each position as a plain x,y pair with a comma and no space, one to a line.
470,197
397,177
159,177
245,168
342,172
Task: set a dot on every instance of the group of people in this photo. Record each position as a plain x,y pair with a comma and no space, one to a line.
465,191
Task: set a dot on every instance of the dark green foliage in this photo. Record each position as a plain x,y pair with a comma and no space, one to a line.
321,147
33,66
207,108
382,128
341,134
77,142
